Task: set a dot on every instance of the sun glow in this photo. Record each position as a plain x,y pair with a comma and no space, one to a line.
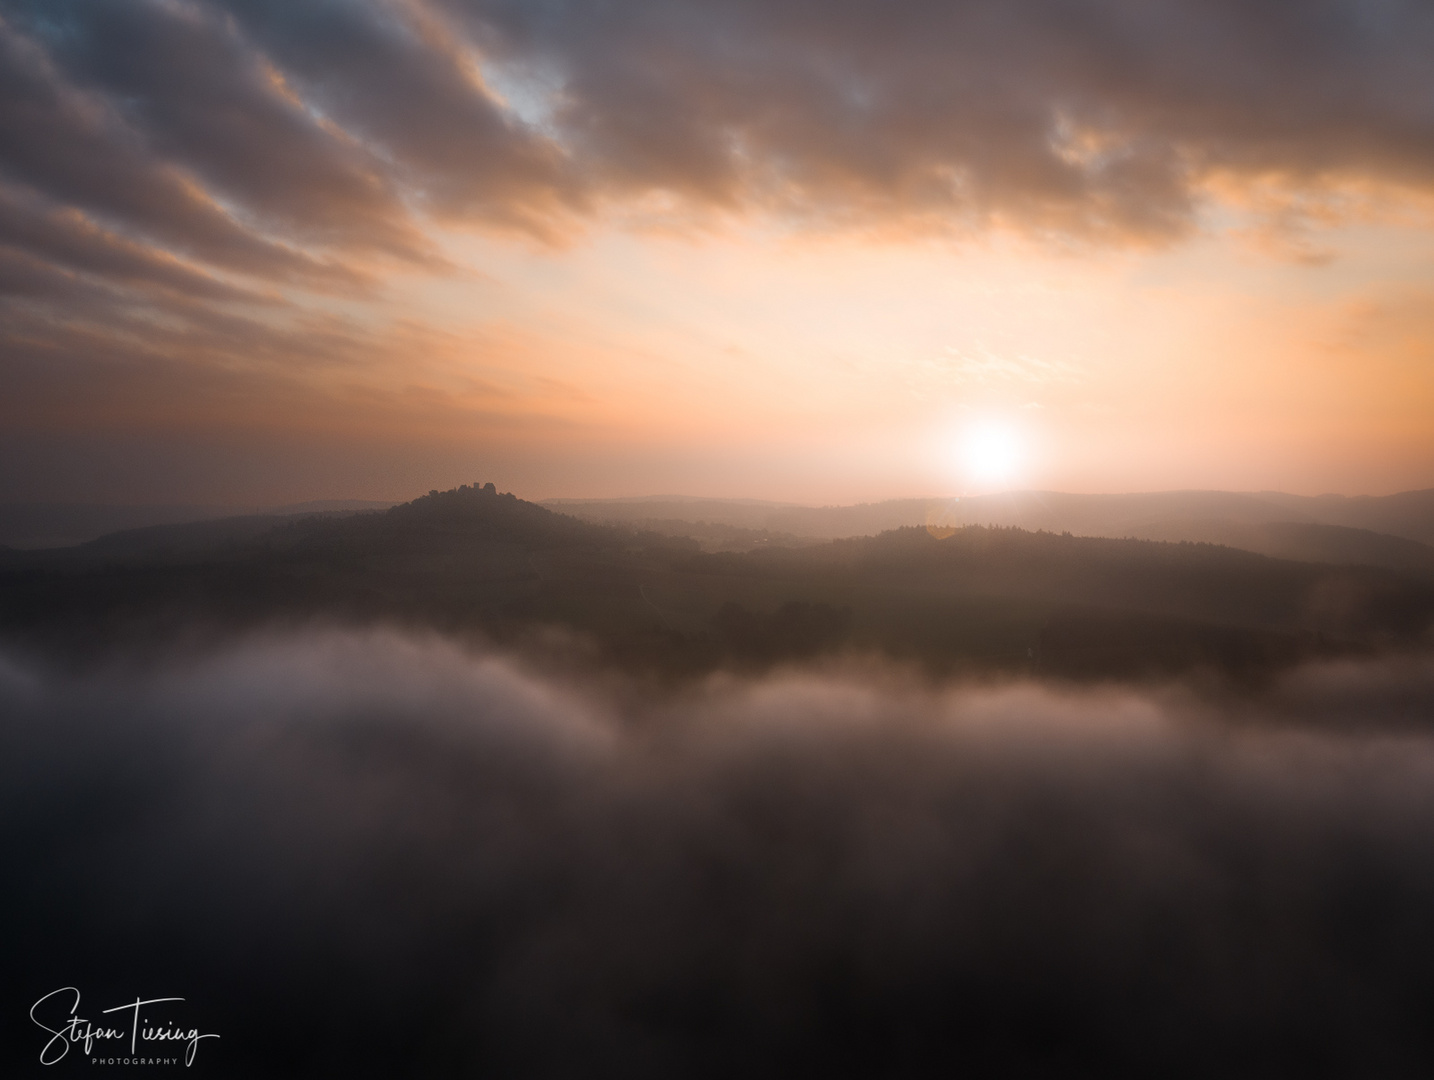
992,453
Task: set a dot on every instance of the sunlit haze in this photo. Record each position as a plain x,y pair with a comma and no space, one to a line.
713,249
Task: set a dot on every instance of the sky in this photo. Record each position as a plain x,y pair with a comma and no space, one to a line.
256,252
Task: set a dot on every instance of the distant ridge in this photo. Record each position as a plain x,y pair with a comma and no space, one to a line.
35,525
1393,531
327,506
486,565
629,500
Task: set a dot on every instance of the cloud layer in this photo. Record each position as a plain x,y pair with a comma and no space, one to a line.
361,854
258,137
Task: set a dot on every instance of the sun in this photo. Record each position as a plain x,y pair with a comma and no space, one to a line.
992,453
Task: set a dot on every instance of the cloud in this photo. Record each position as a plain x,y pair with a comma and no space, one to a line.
1103,118
67,240
362,853
242,131
70,145
192,171
983,365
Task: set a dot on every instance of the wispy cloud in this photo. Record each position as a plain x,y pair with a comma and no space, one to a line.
245,132
983,365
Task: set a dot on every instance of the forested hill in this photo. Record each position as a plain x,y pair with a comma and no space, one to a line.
453,524
475,562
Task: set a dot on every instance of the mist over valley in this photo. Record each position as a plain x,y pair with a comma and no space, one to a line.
469,787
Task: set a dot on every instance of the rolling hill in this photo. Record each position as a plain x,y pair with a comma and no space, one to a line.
954,600
1395,531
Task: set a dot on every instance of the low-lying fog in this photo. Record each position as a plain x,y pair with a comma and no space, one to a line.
375,854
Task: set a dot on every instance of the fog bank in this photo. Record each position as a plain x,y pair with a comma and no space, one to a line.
374,854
